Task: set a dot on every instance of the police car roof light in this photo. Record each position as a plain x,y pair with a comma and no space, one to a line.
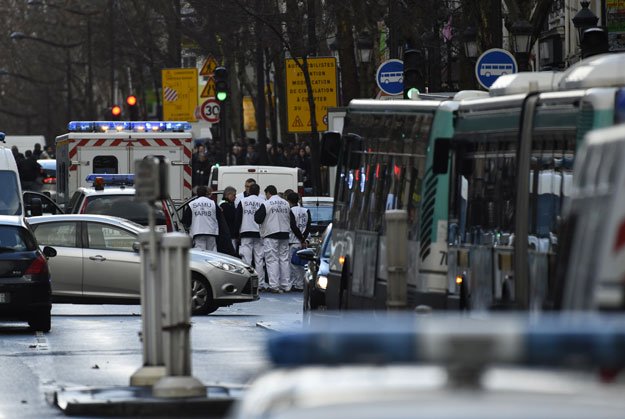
139,126
126,179
597,341
80,126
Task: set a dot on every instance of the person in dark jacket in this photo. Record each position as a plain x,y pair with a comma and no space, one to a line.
229,211
29,171
201,170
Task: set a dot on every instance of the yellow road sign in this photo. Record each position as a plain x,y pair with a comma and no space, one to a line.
180,90
322,72
209,89
209,66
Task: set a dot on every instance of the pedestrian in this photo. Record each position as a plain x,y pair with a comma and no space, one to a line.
229,211
274,227
37,151
204,220
251,157
29,171
249,182
250,242
201,169
300,227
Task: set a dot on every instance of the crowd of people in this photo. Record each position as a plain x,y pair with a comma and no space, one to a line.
31,173
265,230
245,152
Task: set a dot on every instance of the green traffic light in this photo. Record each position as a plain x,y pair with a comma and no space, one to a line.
413,93
222,96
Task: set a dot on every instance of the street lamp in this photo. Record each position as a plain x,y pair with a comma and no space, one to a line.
88,15
365,47
17,36
584,19
522,40
469,38
592,39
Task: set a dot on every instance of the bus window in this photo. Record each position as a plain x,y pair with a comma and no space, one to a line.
483,191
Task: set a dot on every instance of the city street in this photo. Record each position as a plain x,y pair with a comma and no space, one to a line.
98,346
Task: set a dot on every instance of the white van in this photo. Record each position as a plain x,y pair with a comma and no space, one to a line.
11,200
591,268
282,178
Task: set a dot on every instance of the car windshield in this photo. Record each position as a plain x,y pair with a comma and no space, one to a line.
15,239
10,202
123,206
320,214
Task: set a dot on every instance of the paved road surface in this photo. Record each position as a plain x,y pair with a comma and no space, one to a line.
99,346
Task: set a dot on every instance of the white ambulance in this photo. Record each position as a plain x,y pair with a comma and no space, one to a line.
112,147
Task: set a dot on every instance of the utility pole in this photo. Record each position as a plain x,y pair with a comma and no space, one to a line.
315,166
261,123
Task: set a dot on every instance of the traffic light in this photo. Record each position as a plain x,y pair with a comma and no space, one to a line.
412,76
221,83
133,108
116,112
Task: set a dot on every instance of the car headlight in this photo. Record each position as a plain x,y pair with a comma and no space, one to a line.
228,267
322,282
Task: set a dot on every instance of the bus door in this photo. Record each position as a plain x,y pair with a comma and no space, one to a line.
481,217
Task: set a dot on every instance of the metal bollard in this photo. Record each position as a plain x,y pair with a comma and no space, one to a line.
178,381
152,337
396,258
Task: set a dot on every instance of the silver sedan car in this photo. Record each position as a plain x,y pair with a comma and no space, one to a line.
96,263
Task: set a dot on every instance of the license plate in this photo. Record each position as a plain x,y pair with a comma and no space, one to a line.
4,297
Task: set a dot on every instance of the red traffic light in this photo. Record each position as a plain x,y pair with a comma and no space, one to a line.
116,110
131,100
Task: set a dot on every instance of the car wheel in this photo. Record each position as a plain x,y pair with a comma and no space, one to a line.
201,296
41,321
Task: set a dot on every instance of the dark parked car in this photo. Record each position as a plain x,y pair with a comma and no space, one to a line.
25,290
315,283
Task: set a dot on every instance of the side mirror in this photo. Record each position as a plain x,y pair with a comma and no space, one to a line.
330,148
306,254
36,207
49,252
440,164
136,247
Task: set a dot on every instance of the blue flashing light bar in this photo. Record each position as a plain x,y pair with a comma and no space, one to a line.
113,179
80,126
136,126
597,341
619,105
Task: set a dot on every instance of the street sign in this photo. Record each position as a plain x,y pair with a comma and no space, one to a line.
492,64
209,88
322,72
210,109
209,66
390,77
180,92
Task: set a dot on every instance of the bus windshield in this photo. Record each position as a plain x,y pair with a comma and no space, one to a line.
382,169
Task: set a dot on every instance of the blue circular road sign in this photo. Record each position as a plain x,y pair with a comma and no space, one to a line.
492,64
390,77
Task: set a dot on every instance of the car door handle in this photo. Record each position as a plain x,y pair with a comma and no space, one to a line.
97,258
